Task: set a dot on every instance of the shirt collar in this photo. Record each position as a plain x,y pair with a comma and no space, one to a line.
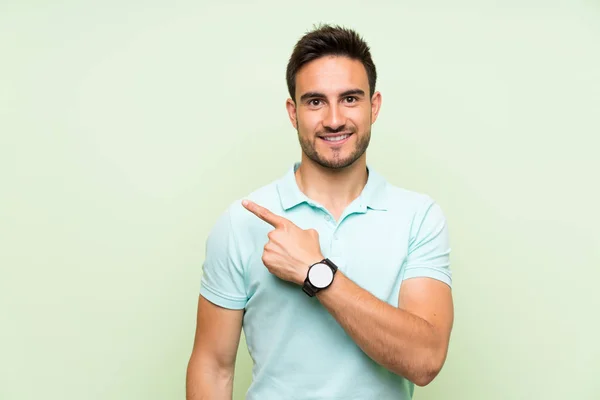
372,196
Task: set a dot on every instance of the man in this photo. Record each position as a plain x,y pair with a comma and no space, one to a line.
340,280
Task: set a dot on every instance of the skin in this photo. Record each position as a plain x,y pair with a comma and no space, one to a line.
410,340
332,95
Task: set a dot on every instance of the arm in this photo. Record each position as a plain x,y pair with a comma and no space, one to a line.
411,340
220,311
211,366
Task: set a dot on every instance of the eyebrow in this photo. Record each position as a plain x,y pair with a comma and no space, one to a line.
318,95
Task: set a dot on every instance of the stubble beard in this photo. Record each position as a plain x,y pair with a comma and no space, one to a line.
335,162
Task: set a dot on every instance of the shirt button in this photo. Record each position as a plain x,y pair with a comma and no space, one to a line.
327,218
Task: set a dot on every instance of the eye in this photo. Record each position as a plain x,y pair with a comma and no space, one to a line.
351,99
314,102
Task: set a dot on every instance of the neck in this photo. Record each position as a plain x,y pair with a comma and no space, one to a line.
335,189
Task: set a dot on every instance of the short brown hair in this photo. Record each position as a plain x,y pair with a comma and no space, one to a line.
328,40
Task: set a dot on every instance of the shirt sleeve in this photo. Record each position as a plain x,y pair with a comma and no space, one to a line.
429,248
222,281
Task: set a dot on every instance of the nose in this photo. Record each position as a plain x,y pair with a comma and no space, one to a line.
334,120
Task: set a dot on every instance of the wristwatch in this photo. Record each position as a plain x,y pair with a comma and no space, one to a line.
319,276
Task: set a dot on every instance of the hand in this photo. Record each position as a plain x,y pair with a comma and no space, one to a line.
290,250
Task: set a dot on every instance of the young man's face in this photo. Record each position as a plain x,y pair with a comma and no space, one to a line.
333,112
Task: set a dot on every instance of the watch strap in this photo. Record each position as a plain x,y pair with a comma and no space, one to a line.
309,289
333,267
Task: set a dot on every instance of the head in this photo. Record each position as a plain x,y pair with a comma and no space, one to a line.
333,103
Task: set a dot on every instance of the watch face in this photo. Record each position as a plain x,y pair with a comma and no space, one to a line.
320,275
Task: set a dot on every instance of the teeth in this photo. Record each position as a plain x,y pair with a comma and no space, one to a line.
336,138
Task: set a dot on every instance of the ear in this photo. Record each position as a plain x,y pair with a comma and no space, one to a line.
291,109
375,106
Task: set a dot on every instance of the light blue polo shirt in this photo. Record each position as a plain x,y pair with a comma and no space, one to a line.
386,235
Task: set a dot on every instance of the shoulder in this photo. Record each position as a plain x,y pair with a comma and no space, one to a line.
424,218
245,225
404,200
416,209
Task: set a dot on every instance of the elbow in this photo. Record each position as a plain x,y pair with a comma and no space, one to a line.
207,371
425,378
429,370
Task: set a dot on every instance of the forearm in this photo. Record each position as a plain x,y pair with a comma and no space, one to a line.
205,382
394,338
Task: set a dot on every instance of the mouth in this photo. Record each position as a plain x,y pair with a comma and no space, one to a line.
336,139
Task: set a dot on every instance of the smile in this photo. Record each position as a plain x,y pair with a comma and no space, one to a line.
336,139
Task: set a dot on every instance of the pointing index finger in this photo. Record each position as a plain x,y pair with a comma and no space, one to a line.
273,219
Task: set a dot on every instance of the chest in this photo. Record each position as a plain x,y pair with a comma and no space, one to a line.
369,249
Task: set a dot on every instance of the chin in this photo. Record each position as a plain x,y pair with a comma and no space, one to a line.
336,163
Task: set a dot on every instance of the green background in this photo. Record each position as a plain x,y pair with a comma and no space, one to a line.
128,126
